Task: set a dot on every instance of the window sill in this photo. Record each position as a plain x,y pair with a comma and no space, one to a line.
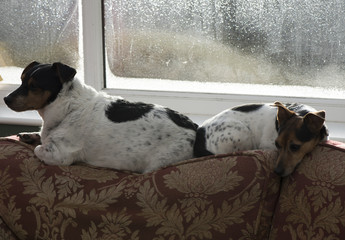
29,118
277,91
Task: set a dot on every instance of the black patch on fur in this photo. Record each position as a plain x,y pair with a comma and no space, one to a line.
248,107
324,132
304,135
124,111
277,125
200,144
44,79
71,87
299,109
181,120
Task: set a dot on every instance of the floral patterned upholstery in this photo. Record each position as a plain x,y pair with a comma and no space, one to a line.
206,198
312,200
234,196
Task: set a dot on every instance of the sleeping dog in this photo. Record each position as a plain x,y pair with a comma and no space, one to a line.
294,129
81,124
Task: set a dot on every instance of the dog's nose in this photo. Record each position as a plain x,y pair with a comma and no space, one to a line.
7,100
280,170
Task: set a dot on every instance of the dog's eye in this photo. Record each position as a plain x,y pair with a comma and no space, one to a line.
294,147
277,145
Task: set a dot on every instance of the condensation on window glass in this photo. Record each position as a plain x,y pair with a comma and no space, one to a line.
282,42
43,31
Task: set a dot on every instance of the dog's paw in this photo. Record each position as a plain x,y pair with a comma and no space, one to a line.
50,155
30,138
46,154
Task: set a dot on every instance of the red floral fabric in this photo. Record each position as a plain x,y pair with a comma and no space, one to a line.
218,197
312,199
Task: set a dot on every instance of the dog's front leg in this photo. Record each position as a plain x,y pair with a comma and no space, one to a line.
33,138
50,153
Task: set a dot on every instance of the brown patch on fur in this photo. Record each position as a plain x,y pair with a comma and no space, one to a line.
34,100
38,90
38,99
290,146
283,113
291,150
315,120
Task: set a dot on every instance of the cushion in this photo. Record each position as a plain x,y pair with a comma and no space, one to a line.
312,201
217,197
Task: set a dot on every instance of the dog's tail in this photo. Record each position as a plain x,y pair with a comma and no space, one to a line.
200,144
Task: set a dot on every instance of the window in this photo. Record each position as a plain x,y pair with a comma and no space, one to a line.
44,31
196,56
299,43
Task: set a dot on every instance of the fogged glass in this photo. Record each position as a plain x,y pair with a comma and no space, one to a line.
287,42
45,31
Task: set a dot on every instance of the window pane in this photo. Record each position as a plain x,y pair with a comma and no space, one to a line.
279,42
45,31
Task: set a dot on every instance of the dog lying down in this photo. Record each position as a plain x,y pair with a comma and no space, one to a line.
293,129
81,124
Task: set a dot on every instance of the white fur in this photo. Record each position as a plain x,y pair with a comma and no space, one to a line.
231,130
75,128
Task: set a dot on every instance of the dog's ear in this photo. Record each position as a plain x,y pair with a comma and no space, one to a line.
28,67
314,121
283,113
64,72
277,104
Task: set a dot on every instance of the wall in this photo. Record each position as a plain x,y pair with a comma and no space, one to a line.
7,130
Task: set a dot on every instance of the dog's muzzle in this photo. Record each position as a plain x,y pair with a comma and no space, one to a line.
8,100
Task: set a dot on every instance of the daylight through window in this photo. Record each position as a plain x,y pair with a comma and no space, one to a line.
45,31
240,41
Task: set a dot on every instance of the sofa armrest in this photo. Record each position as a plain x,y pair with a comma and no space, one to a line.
312,200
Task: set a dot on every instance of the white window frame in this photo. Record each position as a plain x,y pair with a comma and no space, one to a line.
198,105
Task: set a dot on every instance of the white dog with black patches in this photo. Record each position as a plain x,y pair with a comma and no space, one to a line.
81,124
293,129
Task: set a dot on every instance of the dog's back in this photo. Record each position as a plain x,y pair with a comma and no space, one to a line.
147,136
240,128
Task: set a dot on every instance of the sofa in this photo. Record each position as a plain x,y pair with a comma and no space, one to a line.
232,196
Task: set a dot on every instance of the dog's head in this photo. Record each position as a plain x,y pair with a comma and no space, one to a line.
297,136
41,83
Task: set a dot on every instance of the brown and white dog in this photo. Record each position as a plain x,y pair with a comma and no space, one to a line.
293,129
81,124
